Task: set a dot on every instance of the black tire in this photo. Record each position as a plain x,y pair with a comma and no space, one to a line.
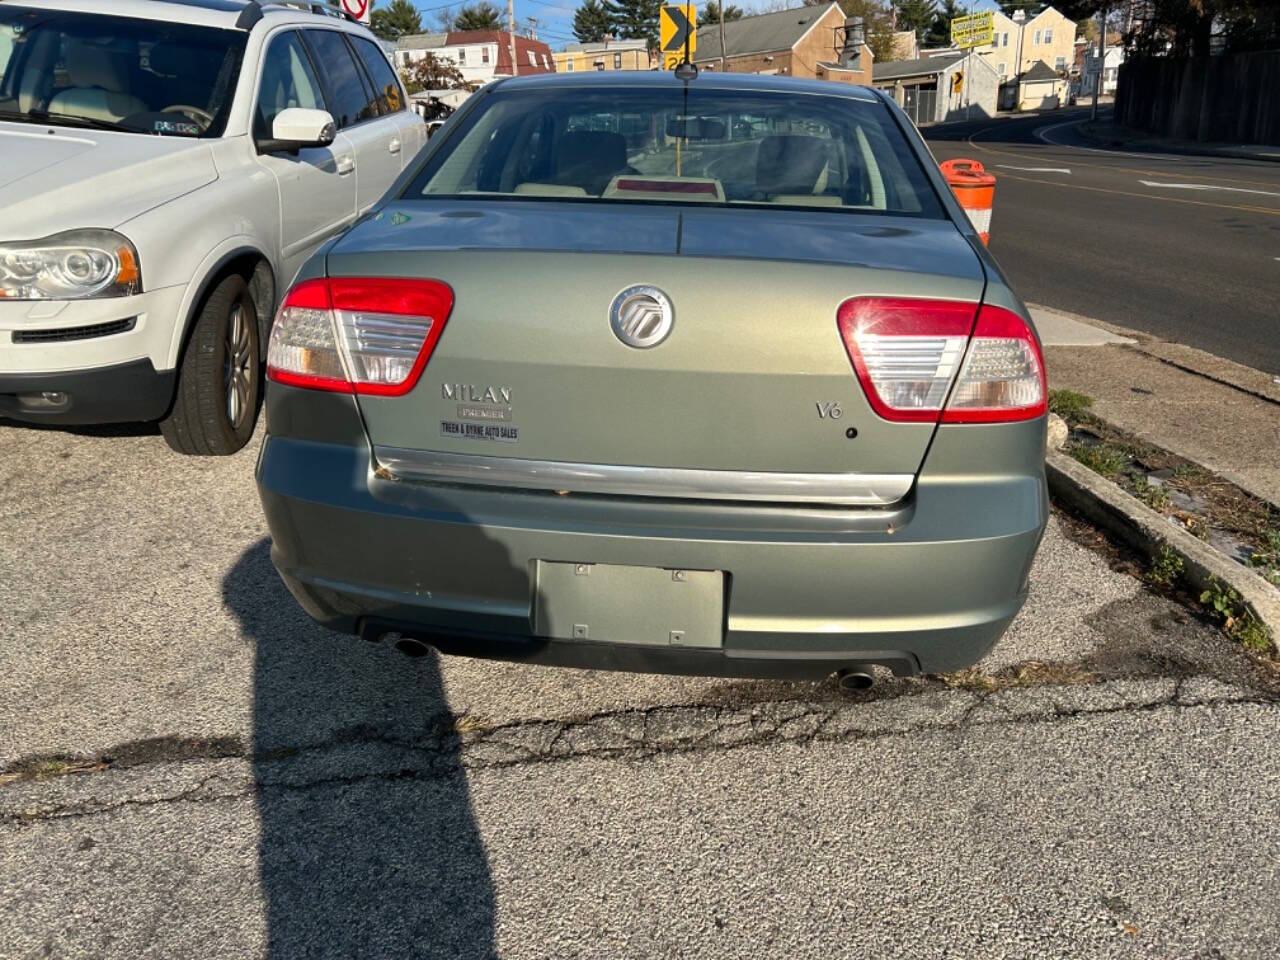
220,379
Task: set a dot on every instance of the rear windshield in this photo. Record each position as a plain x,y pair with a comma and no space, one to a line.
148,77
669,145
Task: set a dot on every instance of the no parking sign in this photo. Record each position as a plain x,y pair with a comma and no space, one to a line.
358,9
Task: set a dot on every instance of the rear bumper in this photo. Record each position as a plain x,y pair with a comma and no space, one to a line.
927,586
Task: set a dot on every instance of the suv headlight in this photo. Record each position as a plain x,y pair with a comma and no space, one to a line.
70,266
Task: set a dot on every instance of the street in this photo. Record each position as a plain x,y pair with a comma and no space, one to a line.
196,770
1183,247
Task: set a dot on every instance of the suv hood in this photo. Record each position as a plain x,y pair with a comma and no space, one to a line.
53,179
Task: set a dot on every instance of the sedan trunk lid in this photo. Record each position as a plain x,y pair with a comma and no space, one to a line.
751,390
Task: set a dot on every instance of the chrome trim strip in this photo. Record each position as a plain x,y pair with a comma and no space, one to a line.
827,489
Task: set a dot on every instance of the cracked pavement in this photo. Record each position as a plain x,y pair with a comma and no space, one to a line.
190,768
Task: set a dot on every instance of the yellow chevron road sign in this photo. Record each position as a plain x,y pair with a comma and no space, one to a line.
676,24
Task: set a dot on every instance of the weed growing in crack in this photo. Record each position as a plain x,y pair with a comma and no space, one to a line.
1266,559
1071,406
1033,673
1104,459
1198,527
1252,635
1166,567
1225,604
1154,495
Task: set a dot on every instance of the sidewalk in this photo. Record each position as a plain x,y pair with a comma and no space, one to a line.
1219,414
1113,135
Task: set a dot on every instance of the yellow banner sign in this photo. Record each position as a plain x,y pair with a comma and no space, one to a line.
676,26
976,30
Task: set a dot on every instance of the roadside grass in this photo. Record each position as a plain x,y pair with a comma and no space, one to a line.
1071,406
1102,458
1266,559
1155,496
1204,504
1225,605
1166,568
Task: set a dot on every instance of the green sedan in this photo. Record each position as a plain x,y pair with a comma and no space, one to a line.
635,372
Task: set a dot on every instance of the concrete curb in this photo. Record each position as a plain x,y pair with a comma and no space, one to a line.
1136,141
1134,523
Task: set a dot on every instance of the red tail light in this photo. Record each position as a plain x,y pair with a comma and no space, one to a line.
913,357
370,335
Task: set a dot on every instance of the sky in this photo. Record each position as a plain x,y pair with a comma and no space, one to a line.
555,17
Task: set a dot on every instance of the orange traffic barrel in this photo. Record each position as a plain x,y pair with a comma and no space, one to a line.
975,189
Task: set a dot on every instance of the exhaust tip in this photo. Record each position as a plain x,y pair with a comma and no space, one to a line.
853,680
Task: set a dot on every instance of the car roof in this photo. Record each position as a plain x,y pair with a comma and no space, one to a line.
205,13
706,79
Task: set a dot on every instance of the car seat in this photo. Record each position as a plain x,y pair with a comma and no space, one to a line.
98,82
590,159
792,168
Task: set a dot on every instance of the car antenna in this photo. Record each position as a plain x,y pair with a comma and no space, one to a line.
686,70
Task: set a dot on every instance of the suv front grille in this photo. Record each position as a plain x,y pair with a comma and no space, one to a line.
75,333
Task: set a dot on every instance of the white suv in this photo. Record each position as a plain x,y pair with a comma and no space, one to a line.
168,165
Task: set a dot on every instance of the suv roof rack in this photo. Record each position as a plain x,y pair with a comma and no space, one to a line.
253,10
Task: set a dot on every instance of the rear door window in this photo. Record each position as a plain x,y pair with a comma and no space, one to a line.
350,100
659,145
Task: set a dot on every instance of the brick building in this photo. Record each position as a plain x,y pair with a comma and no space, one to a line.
814,42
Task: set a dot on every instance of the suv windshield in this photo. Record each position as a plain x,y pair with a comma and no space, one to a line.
139,76
663,144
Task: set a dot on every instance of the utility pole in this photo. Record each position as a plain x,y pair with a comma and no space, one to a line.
724,60
511,36
968,69
1021,23
1102,53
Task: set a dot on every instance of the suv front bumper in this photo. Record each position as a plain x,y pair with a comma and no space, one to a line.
122,393
89,361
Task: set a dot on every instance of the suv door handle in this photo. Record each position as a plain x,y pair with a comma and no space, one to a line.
394,145
346,165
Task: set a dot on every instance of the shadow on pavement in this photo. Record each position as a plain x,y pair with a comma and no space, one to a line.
358,854
88,430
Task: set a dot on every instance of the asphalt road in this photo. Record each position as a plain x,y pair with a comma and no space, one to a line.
1183,247
191,769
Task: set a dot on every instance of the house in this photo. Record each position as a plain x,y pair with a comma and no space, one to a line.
607,55
1112,57
1041,88
480,55
1018,43
936,88
812,42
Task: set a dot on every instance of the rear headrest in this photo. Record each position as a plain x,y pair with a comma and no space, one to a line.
590,159
92,65
790,163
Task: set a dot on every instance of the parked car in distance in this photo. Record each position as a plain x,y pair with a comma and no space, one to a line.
168,166
736,402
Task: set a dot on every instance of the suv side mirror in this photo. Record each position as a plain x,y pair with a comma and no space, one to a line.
296,128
